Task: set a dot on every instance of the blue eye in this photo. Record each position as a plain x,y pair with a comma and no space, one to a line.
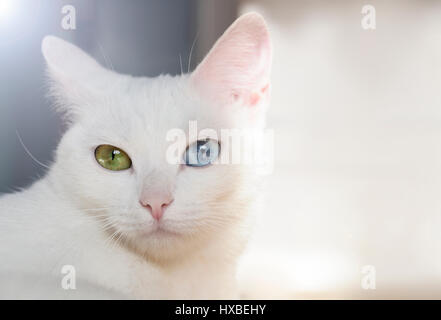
202,153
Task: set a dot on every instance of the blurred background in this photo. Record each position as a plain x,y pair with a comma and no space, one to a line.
356,115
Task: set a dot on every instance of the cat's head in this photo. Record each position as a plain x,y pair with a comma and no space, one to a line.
114,160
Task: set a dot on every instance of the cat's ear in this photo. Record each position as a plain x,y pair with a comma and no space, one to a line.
237,69
74,75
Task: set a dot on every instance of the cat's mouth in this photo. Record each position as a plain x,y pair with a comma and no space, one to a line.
158,230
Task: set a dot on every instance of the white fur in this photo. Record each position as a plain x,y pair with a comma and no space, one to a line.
83,215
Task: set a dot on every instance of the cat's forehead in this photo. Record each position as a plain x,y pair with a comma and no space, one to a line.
151,107
161,103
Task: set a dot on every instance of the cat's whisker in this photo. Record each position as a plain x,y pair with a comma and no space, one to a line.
29,153
115,238
109,226
119,238
104,208
99,209
191,52
180,63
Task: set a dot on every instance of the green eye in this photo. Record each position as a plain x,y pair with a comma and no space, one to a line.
112,158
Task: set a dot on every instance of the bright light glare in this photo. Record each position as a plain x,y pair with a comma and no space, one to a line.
5,8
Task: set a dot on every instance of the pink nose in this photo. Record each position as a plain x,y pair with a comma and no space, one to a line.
156,205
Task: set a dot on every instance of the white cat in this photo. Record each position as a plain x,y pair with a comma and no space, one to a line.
130,223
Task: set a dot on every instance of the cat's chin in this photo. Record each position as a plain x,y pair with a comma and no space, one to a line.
162,243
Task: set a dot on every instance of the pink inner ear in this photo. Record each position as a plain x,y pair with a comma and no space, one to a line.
238,66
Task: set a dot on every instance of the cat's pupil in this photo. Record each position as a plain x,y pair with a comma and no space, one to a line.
114,154
205,152
202,153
